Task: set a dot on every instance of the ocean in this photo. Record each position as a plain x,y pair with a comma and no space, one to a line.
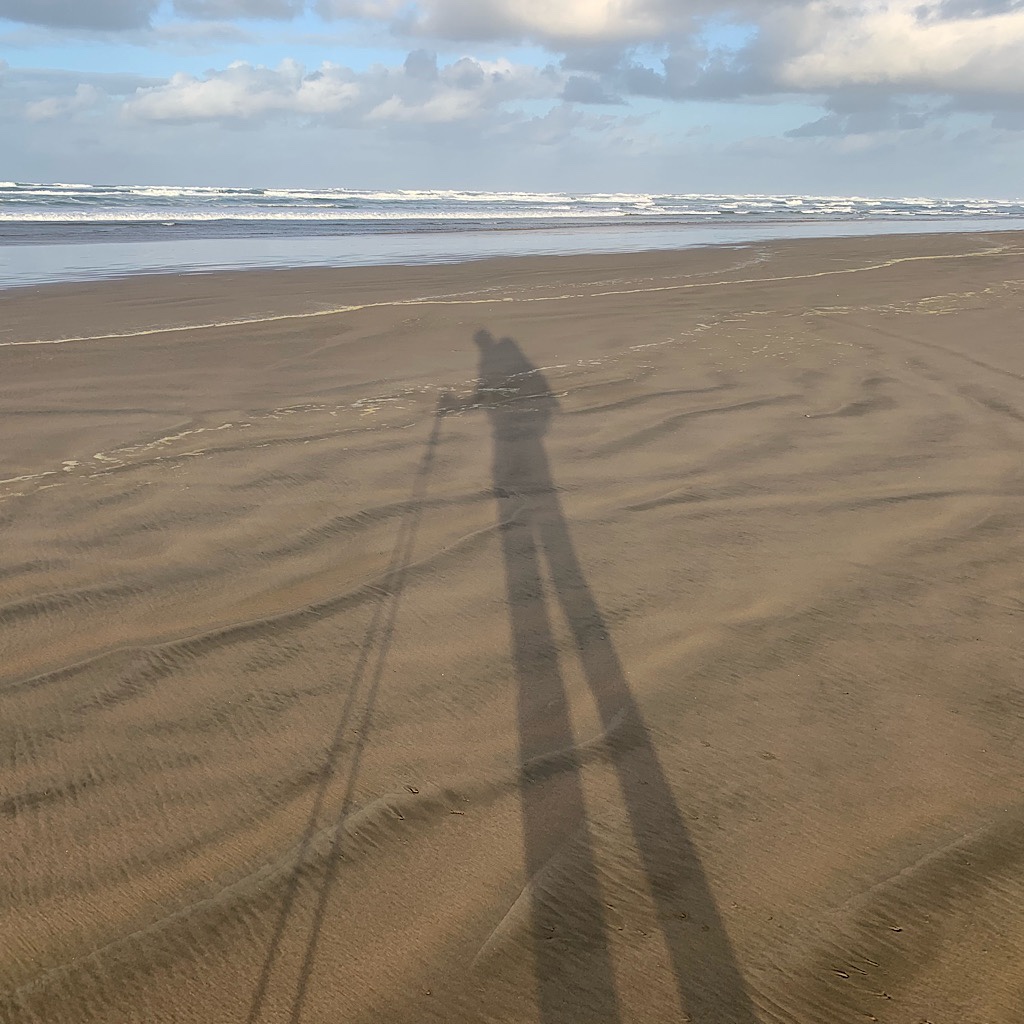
74,232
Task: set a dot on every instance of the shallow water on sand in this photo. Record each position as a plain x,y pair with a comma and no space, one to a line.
31,264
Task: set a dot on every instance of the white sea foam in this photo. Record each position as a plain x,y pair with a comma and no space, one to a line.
161,216
135,200
57,231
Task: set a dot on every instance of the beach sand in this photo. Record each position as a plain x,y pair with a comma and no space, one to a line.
562,640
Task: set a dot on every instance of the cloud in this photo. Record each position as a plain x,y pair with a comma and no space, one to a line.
971,8
378,10
803,46
88,14
584,89
866,123
664,48
421,123
243,91
84,97
123,15
418,92
44,94
867,111
541,144
864,67
623,22
41,97
227,9
421,65
901,44
1009,120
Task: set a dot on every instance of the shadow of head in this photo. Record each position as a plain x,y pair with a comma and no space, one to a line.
509,384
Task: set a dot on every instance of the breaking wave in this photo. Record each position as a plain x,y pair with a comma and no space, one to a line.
76,204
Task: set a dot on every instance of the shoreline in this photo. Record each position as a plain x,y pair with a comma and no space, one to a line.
290,293
30,265
611,637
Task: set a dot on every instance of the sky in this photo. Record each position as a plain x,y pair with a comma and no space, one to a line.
826,97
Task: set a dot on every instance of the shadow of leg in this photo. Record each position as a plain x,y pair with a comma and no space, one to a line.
573,968
708,980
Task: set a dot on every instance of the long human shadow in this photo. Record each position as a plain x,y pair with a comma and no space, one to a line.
535,535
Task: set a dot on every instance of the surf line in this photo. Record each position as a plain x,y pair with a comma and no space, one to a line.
340,310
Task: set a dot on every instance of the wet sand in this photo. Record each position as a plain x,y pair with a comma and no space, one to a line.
560,640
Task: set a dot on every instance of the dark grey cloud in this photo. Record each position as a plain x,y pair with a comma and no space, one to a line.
688,71
864,112
1009,120
88,14
865,123
968,9
422,65
991,103
861,100
227,9
582,89
830,124
598,60
1006,110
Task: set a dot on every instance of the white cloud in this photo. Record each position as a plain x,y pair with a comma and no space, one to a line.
929,46
418,91
893,49
902,44
441,108
84,97
906,46
866,71
243,91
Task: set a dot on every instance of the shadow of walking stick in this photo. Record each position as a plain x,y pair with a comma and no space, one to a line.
366,678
